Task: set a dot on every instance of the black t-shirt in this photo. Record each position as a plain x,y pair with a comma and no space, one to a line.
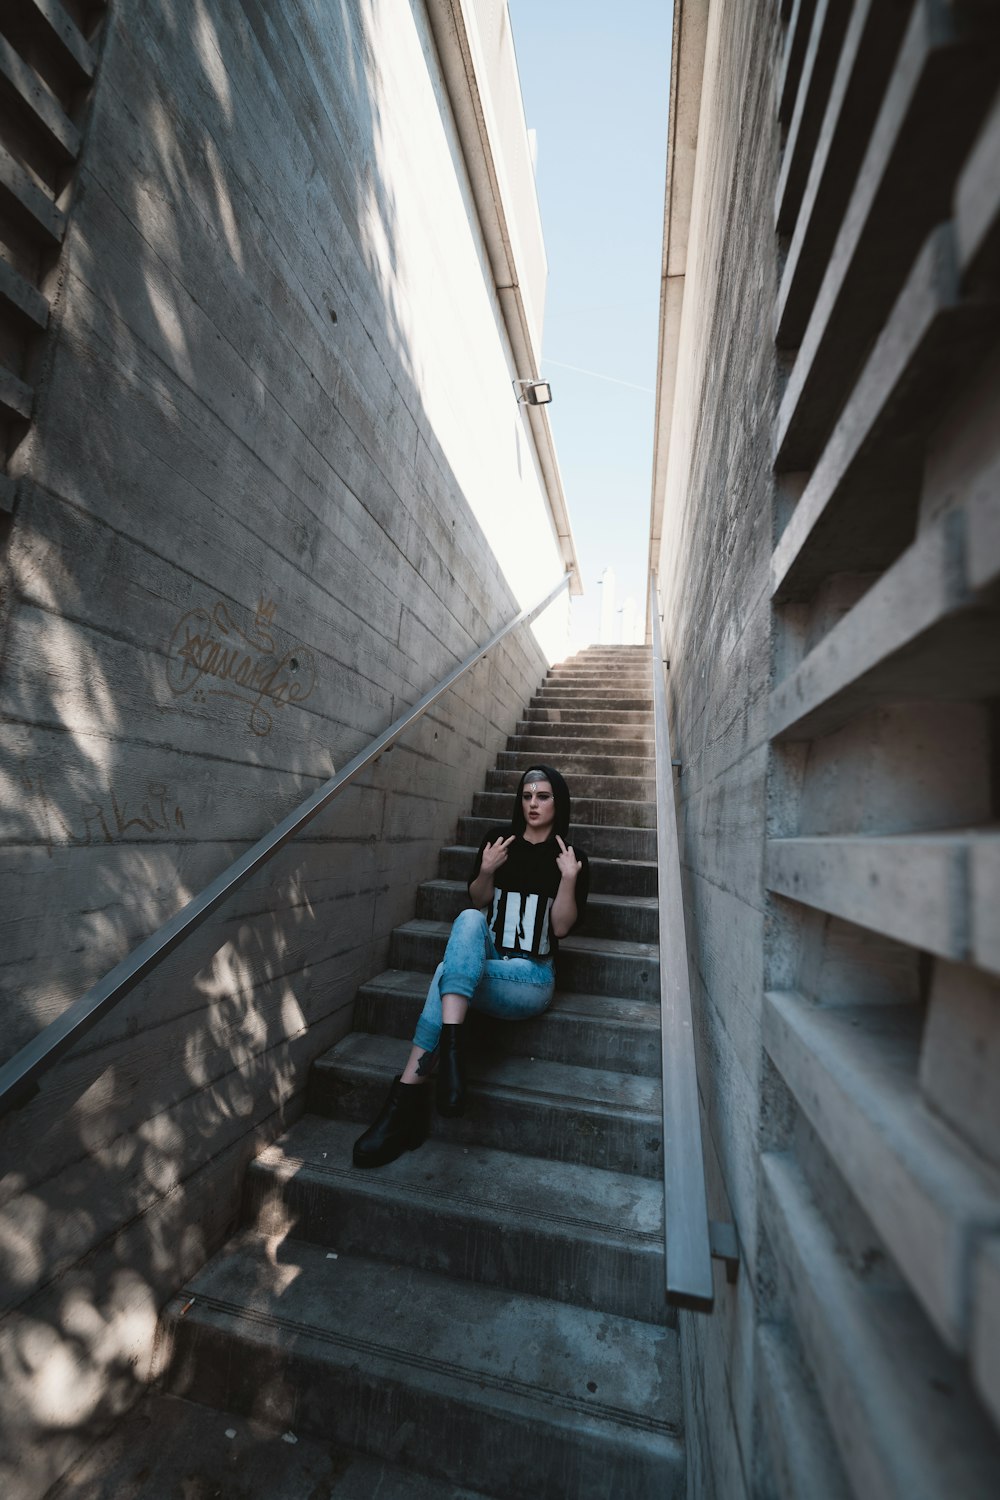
523,892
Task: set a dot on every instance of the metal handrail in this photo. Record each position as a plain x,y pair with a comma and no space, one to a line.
691,1238
19,1076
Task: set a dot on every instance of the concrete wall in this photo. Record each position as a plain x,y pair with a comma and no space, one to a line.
713,565
273,486
826,480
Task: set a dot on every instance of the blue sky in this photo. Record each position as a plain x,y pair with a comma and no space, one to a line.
595,80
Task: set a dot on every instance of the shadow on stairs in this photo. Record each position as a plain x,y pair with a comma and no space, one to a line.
484,1316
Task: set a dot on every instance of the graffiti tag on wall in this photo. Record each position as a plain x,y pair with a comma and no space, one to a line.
211,654
103,821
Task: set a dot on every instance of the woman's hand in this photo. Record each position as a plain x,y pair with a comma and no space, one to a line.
569,865
564,913
495,855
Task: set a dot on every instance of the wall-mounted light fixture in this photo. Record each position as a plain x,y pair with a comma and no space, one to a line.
533,392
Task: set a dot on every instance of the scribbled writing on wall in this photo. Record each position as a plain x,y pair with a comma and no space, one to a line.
211,654
104,819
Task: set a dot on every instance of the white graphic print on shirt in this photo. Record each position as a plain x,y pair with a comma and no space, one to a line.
515,918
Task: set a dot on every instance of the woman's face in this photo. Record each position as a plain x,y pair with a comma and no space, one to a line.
538,806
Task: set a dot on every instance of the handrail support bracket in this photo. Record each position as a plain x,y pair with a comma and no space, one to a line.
724,1244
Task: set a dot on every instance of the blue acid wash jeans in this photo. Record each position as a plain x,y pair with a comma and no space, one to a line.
512,988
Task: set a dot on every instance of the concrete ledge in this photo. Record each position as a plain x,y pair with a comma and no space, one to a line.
865,61
34,209
793,55
16,398
898,1404
60,35
977,205
942,80
38,105
921,631
857,511
932,890
22,299
854,1071
825,36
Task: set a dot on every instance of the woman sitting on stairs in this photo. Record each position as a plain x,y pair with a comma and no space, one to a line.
499,960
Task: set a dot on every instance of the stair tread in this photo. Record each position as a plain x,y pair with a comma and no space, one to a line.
640,903
592,837
616,1009
509,1077
166,1447
570,1198
605,859
498,1349
467,854
598,812
620,947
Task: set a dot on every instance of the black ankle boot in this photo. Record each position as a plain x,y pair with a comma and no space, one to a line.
401,1125
450,1089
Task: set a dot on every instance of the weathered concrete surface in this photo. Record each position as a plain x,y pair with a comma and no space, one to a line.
458,1393
714,577
258,517
168,1447
826,490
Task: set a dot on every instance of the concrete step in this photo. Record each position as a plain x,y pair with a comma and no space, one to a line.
598,1031
633,918
625,877
591,1116
599,685
166,1448
636,671
595,966
554,748
579,761
609,843
620,788
517,1395
634,656
569,1233
614,698
609,733
572,713
603,812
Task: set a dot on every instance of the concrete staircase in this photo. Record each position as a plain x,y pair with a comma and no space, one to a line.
488,1311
